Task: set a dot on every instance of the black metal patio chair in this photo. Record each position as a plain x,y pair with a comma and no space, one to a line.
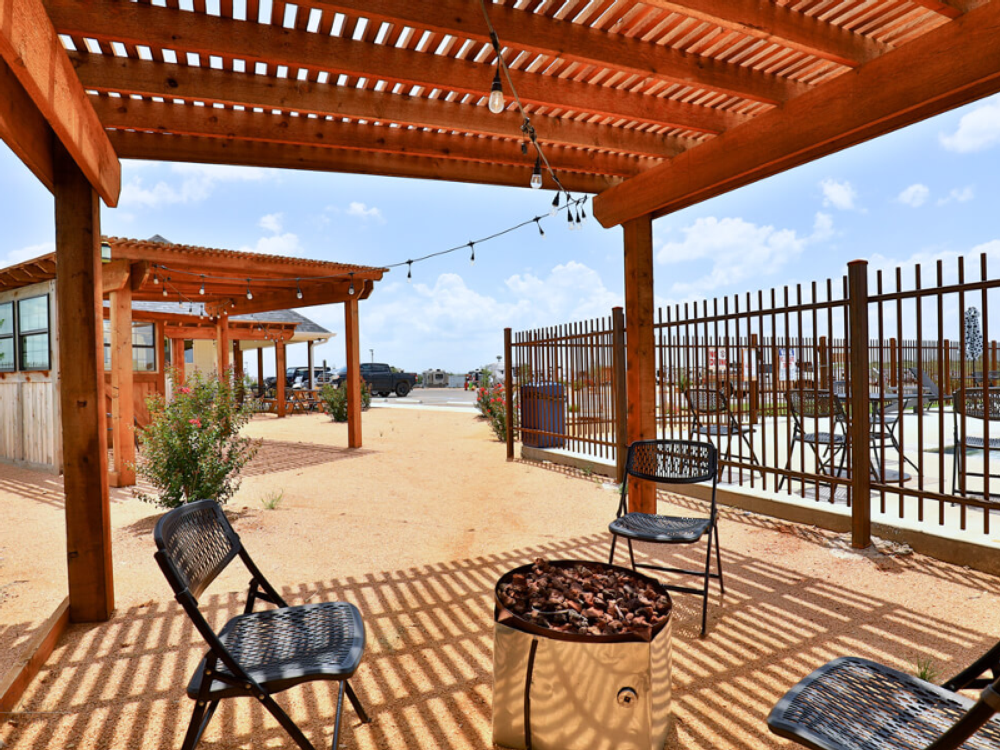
855,704
671,462
971,403
819,407
256,654
932,394
712,417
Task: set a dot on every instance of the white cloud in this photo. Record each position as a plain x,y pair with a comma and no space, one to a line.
915,195
26,253
738,250
197,183
277,244
364,212
958,195
271,222
838,194
978,130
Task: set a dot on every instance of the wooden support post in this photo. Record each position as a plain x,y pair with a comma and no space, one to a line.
177,360
81,393
860,428
238,371
122,404
508,391
222,343
279,363
640,348
893,363
619,391
260,371
309,354
353,355
754,372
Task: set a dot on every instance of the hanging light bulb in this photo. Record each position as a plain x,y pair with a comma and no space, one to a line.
165,286
583,216
202,290
472,258
569,219
249,293
536,174
298,290
156,279
350,289
539,225
496,93
409,272
555,205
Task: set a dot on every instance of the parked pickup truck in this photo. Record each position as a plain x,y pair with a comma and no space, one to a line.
382,380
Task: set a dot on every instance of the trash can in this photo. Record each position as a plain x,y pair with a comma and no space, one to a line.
543,408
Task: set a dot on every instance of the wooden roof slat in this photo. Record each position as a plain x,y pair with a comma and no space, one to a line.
249,153
220,37
897,89
528,31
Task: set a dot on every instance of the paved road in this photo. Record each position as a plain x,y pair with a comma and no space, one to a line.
438,398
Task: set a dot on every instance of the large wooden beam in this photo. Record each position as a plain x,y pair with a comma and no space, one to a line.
777,24
177,119
352,354
122,404
147,78
30,47
563,39
280,385
132,23
177,358
901,87
640,349
115,275
248,153
222,343
23,128
81,393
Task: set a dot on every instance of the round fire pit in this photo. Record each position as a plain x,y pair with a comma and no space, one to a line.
581,658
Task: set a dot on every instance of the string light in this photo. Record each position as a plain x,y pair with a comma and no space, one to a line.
409,272
350,289
539,225
472,257
555,205
165,286
569,219
298,290
156,279
536,174
249,293
202,290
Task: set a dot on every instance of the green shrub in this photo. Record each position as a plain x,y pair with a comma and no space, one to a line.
192,449
335,400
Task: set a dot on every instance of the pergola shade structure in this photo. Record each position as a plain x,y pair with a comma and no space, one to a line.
653,105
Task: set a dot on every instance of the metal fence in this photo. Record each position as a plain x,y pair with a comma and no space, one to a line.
776,380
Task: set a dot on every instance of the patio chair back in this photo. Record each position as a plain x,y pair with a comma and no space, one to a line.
815,405
671,461
972,403
194,544
706,401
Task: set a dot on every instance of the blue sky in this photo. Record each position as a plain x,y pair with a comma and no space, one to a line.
928,191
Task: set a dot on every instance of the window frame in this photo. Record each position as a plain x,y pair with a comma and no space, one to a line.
12,336
21,334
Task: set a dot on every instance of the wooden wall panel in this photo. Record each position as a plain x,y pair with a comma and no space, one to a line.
10,420
38,423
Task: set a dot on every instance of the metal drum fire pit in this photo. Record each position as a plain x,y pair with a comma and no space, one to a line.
555,690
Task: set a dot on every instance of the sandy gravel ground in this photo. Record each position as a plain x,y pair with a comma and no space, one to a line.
415,529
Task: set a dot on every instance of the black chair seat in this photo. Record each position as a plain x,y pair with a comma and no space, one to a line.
721,429
973,443
822,438
855,704
283,647
646,527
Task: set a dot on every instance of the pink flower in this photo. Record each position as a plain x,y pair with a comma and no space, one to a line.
184,389
196,422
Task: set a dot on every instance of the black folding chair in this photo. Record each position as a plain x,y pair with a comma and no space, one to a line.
932,394
712,417
971,404
256,654
671,462
818,406
855,704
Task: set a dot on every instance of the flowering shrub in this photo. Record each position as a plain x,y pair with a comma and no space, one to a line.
492,404
335,400
192,448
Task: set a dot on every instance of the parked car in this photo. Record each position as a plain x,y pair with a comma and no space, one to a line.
299,376
382,380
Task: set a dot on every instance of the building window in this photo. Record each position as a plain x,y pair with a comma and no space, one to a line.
143,346
33,333
7,337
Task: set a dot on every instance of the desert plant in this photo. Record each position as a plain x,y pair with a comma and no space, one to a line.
335,400
272,500
492,404
192,449
926,670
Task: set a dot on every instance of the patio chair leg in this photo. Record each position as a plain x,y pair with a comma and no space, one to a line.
286,722
718,561
611,557
200,717
336,721
358,708
704,599
631,554
788,464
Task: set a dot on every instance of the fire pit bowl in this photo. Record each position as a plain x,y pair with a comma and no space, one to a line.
559,690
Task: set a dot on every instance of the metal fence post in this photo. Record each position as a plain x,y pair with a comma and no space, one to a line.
620,391
824,364
857,345
753,372
508,387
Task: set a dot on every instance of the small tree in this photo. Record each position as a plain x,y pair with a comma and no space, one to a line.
335,400
192,449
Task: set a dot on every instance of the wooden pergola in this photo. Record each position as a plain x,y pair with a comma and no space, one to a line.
652,105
